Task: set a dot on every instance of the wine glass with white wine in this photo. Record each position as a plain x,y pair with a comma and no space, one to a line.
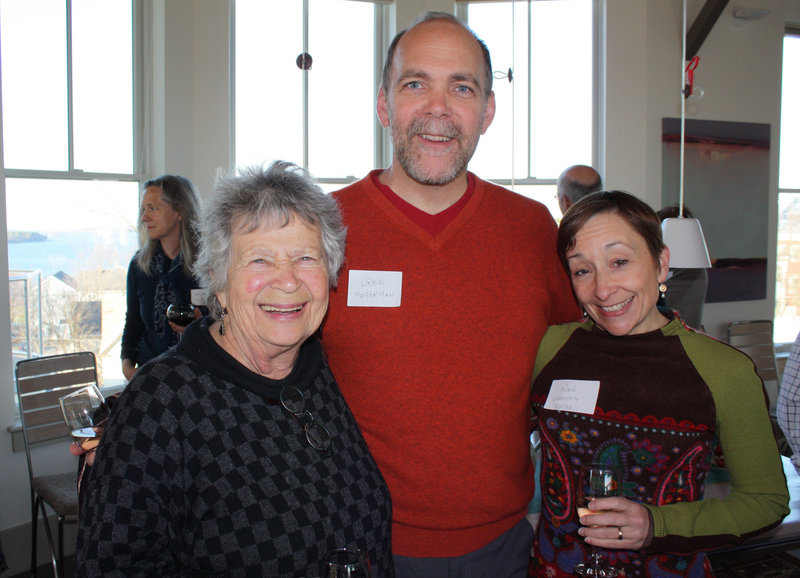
596,481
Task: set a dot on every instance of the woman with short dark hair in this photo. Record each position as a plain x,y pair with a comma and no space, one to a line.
650,397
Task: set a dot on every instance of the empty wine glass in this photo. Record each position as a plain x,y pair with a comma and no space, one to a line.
596,481
84,412
346,563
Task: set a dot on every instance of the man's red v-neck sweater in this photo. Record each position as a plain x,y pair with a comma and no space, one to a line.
440,385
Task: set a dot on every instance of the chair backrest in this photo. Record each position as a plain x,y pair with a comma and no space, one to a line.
755,339
40,383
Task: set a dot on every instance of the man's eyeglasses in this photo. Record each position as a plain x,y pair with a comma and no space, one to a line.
293,401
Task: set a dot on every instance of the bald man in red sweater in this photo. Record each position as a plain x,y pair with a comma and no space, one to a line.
449,285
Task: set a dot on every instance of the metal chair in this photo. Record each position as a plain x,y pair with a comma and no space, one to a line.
40,382
755,339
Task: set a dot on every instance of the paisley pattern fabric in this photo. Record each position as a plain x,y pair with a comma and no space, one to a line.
661,465
662,445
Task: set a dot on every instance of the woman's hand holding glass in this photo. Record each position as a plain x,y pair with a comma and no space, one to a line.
613,516
596,481
85,414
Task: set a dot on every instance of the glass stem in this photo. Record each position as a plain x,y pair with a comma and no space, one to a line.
596,557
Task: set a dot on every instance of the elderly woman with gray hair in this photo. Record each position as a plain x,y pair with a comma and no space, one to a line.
234,453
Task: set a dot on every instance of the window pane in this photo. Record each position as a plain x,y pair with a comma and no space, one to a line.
545,194
790,115
787,282
341,89
33,51
341,85
80,236
561,110
269,97
495,156
552,93
103,85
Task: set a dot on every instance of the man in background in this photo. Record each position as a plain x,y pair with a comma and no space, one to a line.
789,402
449,285
575,183
686,288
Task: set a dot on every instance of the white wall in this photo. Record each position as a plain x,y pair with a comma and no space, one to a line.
739,71
196,90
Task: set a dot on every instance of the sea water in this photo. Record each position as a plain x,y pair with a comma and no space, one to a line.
73,251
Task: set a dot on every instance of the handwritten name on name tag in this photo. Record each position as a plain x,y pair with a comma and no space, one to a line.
374,288
576,395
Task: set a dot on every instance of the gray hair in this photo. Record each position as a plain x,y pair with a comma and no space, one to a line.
258,197
180,194
429,16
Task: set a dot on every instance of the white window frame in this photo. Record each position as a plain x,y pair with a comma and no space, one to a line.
382,153
783,348
140,9
76,174
462,11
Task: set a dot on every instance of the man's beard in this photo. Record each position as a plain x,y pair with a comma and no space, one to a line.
412,160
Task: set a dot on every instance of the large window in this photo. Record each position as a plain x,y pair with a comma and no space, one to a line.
324,117
544,121
318,112
71,191
787,290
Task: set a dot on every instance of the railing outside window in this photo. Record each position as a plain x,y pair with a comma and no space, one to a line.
25,290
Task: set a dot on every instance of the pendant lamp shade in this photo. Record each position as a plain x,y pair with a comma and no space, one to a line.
684,236
687,247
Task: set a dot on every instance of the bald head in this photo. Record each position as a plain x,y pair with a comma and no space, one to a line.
431,16
575,183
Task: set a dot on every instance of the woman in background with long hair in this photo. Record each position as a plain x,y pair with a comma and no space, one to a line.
160,272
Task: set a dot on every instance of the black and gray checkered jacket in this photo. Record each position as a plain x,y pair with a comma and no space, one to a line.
202,472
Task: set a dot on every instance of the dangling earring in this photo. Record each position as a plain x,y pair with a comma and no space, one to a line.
663,289
222,322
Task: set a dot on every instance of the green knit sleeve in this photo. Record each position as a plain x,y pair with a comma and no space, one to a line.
758,497
553,340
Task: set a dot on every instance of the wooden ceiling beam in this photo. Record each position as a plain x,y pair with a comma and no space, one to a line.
702,25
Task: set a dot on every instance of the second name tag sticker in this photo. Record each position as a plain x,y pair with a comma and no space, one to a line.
374,288
576,395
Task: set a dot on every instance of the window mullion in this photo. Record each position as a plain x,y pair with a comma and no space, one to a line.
529,109
305,86
69,175
70,116
382,36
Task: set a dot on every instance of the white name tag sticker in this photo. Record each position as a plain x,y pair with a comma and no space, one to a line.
374,288
576,395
